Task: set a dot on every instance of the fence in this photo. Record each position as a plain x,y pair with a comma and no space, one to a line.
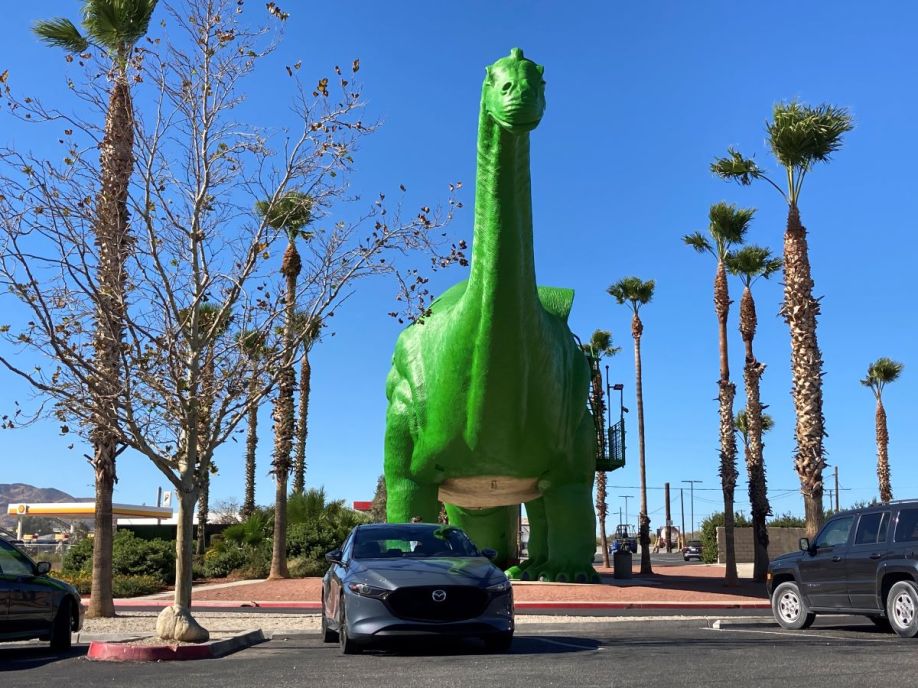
780,541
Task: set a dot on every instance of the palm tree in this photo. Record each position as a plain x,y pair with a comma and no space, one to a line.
880,373
750,263
113,27
727,226
636,293
291,213
308,329
799,136
252,343
599,347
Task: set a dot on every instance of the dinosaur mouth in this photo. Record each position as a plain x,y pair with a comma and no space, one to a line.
517,127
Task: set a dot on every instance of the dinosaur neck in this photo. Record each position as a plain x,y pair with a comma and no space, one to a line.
502,279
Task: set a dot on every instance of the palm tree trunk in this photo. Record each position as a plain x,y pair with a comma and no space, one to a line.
113,243
251,442
727,391
883,453
637,329
302,429
800,310
284,418
755,463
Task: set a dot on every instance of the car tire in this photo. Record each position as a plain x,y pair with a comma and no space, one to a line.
60,629
902,608
499,642
790,609
328,635
685,558
348,646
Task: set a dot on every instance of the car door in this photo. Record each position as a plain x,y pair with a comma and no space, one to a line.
822,570
30,598
866,558
335,573
903,550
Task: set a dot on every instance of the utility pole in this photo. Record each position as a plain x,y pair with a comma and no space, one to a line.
626,498
836,489
667,529
682,508
692,500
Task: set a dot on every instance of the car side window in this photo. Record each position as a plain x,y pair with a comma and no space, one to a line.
347,548
13,562
835,532
907,526
871,528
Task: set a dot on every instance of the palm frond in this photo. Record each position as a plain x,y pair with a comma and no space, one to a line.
252,343
291,212
633,290
751,262
600,345
881,372
800,135
729,225
737,168
61,33
741,422
697,241
117,24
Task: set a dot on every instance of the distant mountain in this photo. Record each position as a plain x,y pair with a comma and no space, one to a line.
20,492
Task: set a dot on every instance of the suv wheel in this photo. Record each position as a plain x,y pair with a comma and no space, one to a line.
60,631
789,608
902,608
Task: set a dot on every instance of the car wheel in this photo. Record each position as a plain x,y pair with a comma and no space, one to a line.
328,635
685,558
348,646
902,608
789,608
60,630
499,642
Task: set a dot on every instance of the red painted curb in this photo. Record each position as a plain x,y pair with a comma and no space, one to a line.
123,652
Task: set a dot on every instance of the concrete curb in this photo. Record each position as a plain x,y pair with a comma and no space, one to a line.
216,605
123,651
766,622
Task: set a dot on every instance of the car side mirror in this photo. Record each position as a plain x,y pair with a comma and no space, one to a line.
333,557
43,567
804,544
489,553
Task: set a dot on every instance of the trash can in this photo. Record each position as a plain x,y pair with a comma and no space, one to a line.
621,564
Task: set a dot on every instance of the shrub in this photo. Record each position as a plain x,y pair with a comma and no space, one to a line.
709,533
220,562
131,556
301,567
122,586
78,557
787,520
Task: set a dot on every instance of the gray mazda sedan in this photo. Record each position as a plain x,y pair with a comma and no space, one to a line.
394,580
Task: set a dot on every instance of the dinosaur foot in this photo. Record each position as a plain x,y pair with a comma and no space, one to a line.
521,571
553,571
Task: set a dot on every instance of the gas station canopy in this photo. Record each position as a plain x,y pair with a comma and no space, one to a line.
85,510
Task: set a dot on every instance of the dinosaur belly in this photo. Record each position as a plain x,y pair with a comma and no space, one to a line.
488,490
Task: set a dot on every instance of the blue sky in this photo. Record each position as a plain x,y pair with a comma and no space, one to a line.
641,97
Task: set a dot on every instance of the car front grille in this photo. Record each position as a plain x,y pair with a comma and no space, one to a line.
462,602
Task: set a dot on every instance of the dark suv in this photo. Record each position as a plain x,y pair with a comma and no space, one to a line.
862,562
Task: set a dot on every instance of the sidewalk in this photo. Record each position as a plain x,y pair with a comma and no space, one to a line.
669,587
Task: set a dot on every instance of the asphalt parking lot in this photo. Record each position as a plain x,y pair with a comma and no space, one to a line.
840,652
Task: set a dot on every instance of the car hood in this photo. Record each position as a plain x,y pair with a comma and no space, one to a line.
785,559
397,573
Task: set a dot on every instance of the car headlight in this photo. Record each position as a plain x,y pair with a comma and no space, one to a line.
498,588
365,590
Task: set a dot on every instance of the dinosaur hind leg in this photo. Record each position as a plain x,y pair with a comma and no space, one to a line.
494,527
406,496
538,541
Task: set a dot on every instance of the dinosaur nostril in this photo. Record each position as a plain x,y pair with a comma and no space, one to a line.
506,87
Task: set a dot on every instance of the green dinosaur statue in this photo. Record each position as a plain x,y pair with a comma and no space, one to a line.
488,393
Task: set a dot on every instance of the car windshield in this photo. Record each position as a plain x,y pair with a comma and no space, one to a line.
412,540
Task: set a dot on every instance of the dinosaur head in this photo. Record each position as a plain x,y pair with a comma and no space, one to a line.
514,93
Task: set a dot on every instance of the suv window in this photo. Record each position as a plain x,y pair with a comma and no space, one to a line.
872,528
907,526
13,562
835,532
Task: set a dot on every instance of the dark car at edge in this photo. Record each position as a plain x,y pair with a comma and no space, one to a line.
398,580
863,561
34,605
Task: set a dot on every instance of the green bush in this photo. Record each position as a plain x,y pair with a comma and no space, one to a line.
301,567
709,533
220,562
131,556
787,520
122,586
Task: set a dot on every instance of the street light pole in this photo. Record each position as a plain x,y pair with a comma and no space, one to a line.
692,500
626,498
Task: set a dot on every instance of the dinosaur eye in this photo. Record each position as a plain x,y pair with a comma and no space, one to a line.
506,87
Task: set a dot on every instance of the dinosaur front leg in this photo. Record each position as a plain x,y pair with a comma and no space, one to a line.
494,527
407,497
538,541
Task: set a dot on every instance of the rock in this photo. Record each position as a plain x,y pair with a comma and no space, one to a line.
177,623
